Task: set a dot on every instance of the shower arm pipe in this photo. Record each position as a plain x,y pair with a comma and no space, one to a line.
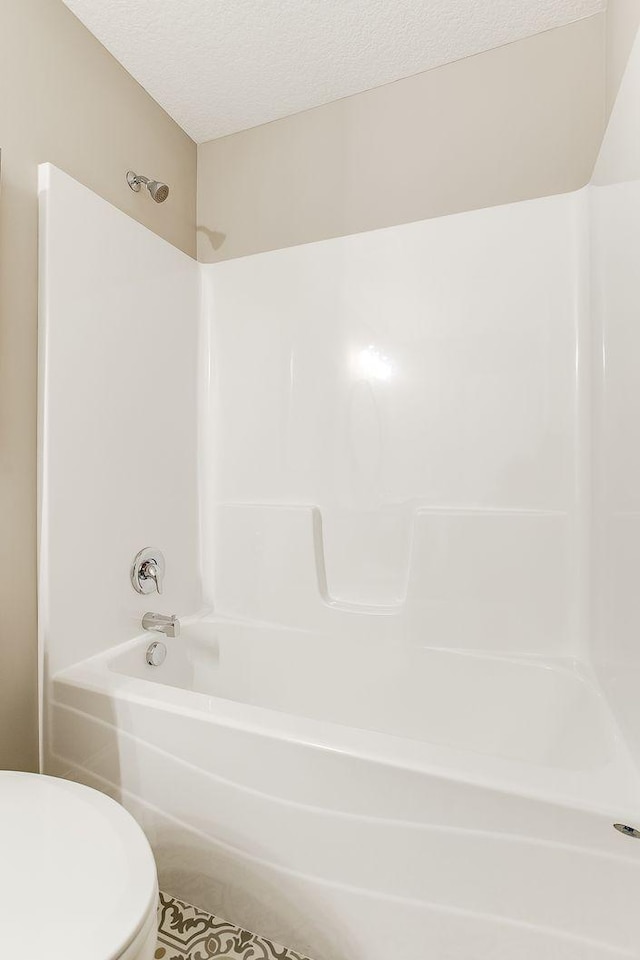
135,180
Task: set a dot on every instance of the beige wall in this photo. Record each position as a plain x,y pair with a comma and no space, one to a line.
63,99
521,121
623,19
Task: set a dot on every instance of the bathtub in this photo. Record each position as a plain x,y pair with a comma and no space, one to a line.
363,801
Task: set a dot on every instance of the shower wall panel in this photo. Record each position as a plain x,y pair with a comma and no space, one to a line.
118,420
396,430
615,255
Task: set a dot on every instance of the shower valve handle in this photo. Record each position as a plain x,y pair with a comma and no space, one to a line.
149,570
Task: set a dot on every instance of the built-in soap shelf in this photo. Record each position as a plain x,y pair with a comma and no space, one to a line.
486,578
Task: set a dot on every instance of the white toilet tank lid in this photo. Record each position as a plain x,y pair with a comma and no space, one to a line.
77,875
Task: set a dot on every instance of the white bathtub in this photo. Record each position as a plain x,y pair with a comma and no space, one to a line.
359,806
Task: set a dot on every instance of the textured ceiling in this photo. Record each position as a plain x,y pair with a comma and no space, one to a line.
218,66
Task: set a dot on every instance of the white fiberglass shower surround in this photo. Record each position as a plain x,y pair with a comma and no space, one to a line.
392,481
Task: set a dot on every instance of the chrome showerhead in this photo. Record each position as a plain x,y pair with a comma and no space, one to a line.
159,191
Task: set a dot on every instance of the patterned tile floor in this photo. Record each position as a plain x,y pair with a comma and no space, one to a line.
186,933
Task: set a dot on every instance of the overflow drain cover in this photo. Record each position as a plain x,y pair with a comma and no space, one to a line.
628,831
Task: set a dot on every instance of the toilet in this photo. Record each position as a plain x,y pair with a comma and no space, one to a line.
77,876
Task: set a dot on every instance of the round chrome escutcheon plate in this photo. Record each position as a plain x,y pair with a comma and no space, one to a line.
628,831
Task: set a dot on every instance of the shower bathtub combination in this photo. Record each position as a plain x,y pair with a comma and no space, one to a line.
391,478
256,759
